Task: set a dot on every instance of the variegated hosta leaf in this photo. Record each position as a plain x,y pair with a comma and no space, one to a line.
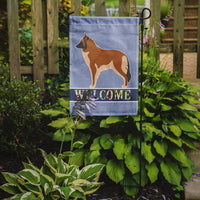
92,171
10,188
30,175
10,177
50,160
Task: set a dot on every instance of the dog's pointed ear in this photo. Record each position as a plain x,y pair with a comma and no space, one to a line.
85,36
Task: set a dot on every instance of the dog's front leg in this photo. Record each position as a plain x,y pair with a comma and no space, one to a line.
94,73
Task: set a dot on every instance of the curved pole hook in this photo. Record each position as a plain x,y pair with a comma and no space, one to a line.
143,18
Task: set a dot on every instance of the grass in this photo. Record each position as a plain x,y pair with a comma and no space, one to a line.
114,3
140,2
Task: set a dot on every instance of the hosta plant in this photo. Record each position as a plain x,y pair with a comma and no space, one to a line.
54,180
170,124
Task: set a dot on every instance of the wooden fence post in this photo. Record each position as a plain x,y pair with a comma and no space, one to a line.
100,8
124,8
155,27
14,44
178,47
52,35
76,7
37,38
198,44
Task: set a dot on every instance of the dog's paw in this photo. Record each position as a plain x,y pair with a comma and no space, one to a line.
124,86
91,86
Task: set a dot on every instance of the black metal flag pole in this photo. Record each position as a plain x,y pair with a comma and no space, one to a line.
141,84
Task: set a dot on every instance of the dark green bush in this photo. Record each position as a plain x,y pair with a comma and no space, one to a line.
20,107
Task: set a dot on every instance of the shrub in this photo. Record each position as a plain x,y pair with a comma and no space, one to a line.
19,112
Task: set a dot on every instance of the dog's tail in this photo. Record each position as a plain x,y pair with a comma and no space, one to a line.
128,72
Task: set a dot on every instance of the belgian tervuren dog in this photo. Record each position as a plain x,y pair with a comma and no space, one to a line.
99,59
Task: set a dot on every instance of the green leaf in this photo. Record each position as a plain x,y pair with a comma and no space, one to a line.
10,177
132,161
147,153
50,160
106,141
152,171
193,135
188,142
174,87
179,155
52,112
65,191
29,165
16,197
60,123
61,168
160,147
33,188
91,171
129,184
47,183
174,140
148,114
191,99
68,154
114,119
185,106
188,171
59,135
92,156
27,2
171,172
64,103
95,146
119,148
84,125
78,157
175,130
165,107
10,188
29,196
186,125
115,170
78,144
103,124
30,175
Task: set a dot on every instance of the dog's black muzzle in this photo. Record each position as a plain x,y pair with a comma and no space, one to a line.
80,45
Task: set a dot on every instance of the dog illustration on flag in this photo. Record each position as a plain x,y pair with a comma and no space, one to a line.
99,59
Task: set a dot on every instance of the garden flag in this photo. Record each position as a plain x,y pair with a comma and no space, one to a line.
104,63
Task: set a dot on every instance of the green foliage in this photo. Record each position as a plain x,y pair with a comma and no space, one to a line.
26,49
170,123
54,180
20,107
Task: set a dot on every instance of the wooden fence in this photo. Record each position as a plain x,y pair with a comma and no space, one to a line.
45,34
